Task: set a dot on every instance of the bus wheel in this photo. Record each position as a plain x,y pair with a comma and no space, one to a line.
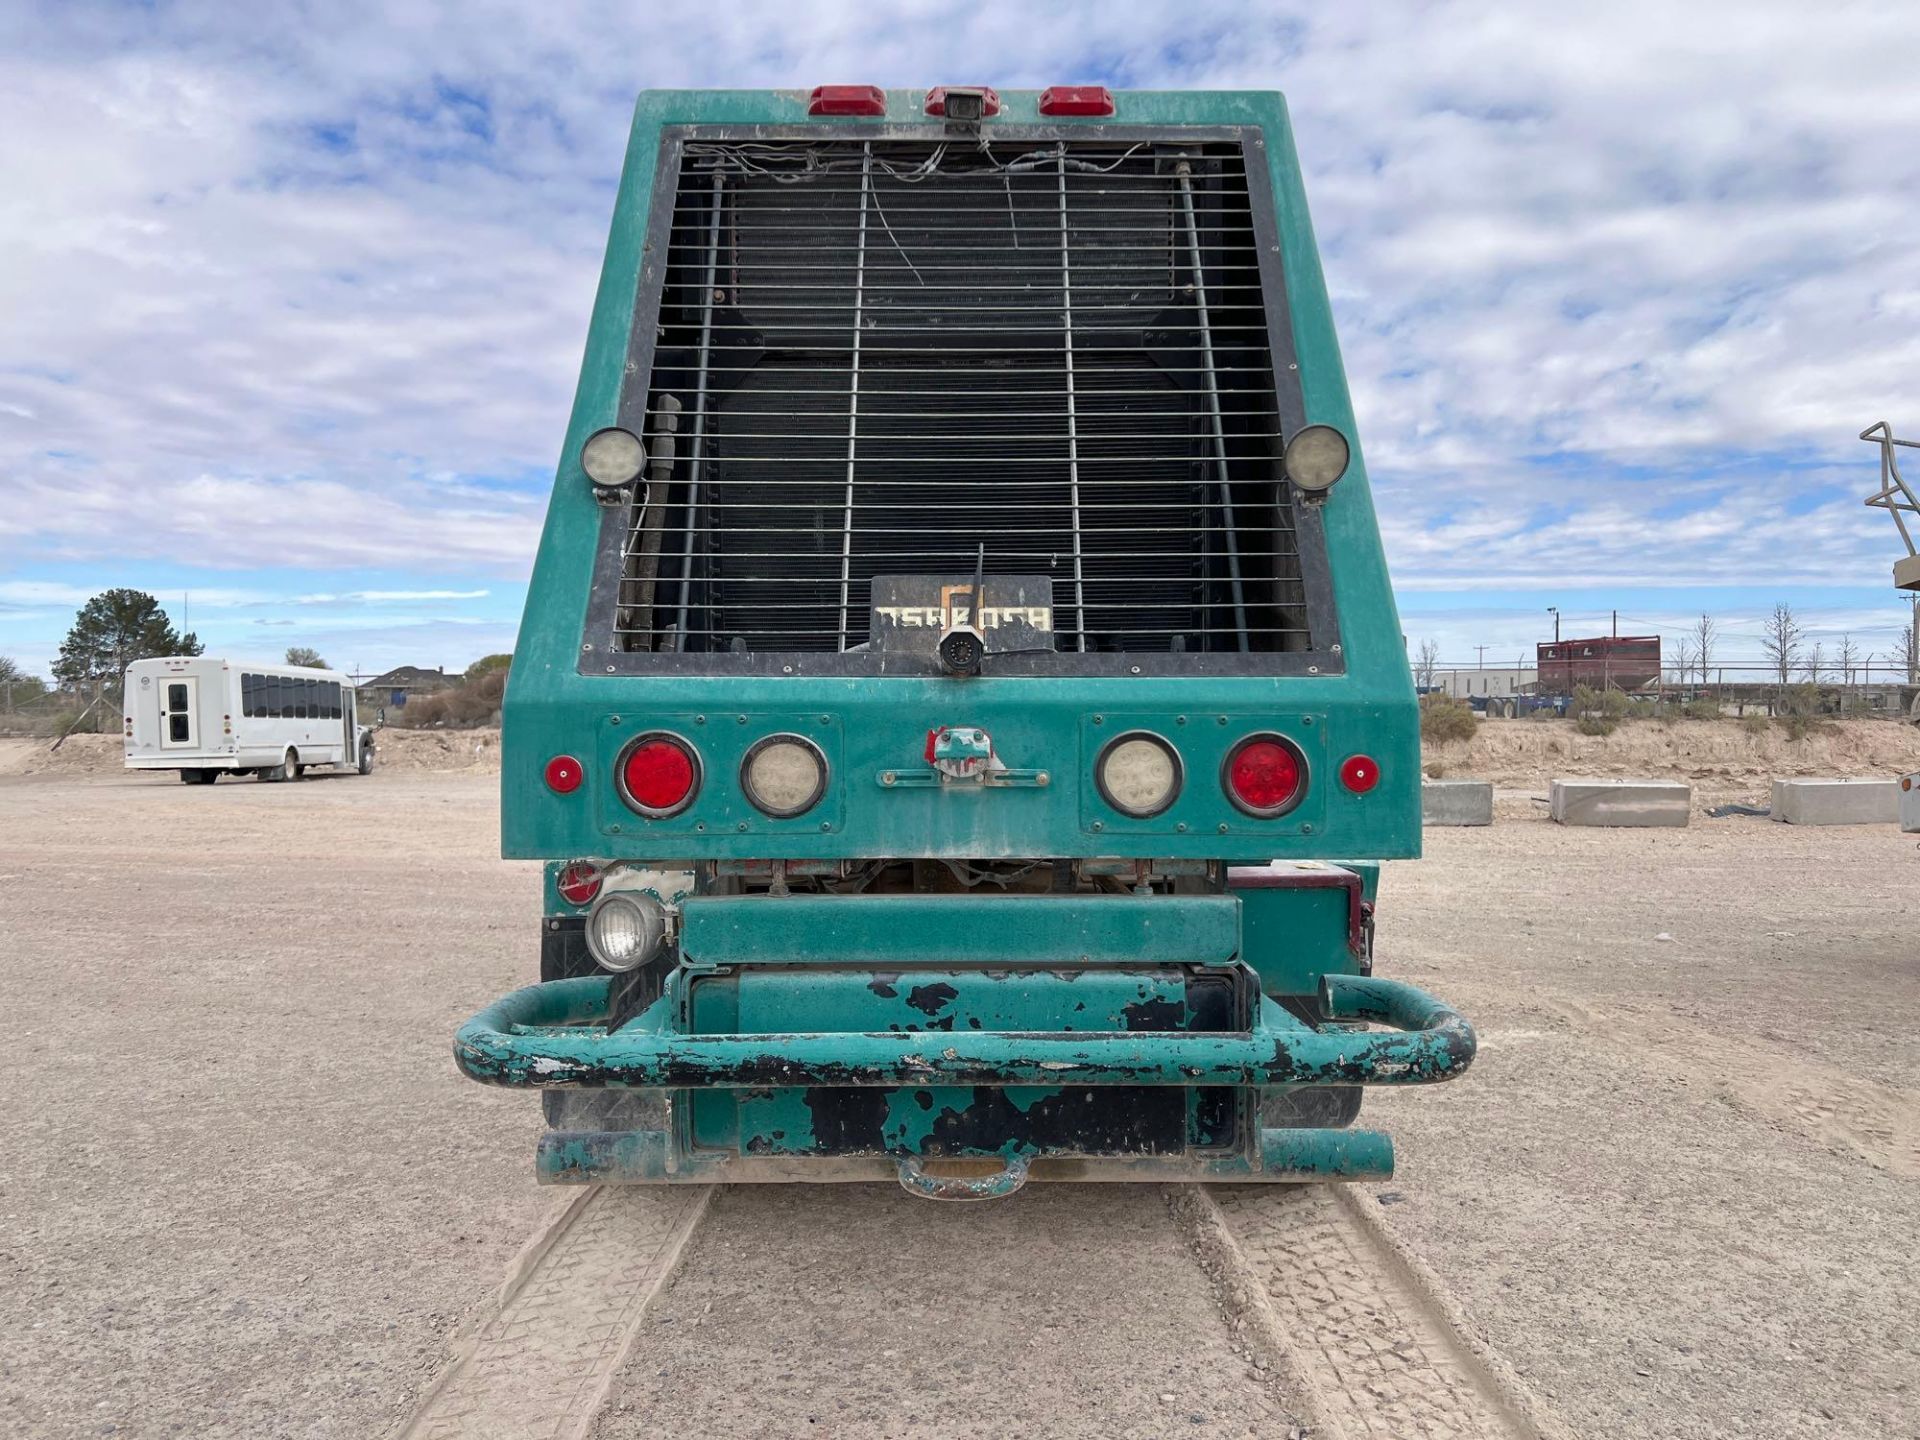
287,769
366,759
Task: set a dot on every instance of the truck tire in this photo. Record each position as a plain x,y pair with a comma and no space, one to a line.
287,769
365,766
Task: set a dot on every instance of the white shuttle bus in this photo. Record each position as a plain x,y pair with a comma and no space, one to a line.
203,717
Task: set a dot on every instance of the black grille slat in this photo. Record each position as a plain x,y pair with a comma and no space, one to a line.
939,355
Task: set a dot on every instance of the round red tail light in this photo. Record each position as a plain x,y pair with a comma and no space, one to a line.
579,882
564,774
658,775
1359,773
1266,775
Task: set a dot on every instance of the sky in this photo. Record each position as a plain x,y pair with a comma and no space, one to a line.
292,297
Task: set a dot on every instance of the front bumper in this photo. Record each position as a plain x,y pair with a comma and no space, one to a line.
555,1036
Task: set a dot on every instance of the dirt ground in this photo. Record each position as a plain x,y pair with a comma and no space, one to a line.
243,1191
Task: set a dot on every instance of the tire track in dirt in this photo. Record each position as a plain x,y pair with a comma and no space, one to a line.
539,1364
1328,1295
1880,1123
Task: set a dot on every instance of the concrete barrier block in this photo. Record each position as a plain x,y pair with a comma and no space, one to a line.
1910,803
1456,802
1620,802
1836,802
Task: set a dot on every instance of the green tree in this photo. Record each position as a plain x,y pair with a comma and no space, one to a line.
305,655
486,665
17,687
112,630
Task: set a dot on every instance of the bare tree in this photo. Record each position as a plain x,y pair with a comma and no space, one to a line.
1816,662
1425,663
1683,659
1910,654
1704,636
1848,660
1780,636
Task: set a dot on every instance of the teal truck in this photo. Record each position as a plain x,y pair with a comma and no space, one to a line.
960,701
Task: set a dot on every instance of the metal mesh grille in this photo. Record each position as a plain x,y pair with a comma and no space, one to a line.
878,356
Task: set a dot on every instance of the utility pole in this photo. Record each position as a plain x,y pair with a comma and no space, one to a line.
1554,610
1483,655
1616,624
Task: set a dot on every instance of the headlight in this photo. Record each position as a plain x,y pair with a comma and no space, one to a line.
1316,457
625,929
1138,774
613,457
784,775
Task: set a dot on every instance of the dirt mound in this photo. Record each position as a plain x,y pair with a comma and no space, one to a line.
433,750
79,755
1721,754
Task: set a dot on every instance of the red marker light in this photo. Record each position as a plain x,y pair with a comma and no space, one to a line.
579,882
1076,100
847,100
658,775
1266,776
937,100
1359,773
564,774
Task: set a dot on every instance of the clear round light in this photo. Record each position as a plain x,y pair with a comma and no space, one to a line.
613,457
625,930
1139,775
1316,457
784,775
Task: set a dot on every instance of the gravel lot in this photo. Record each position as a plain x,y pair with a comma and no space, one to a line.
243,1192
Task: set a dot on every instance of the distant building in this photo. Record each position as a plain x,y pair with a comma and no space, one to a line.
1474,682
397,686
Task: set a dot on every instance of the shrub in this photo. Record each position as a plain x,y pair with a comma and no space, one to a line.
1755,724
460,707
1799,725
1596,723
1442,718
1701,710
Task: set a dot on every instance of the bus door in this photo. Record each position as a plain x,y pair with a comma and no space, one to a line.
179,713
349,732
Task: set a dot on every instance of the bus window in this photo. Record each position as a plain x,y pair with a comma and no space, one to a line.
277,700
333,700
312,688
246,693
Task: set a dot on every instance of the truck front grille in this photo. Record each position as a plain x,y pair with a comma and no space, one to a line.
880,355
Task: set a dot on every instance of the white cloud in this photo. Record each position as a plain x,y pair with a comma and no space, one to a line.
273,302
